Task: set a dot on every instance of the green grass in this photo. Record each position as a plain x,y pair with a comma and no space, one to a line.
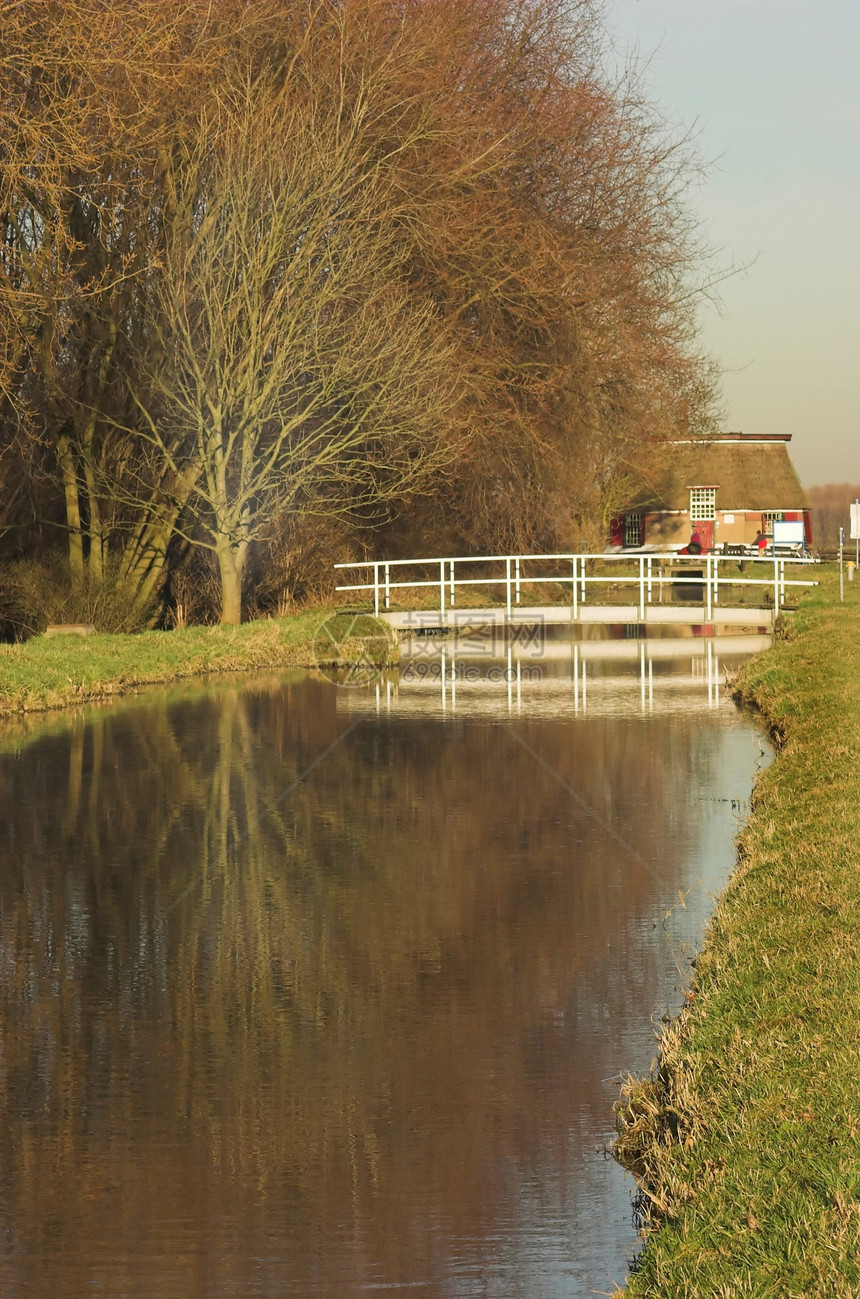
747,1136
54,672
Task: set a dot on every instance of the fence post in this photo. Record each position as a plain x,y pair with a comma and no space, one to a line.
387,586
452,592
508,585
575,593
709,596
442,592
775,587
517,577
376,589
641,588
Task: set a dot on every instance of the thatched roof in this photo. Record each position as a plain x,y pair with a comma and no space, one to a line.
748,473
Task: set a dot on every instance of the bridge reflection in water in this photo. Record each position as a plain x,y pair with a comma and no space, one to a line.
538,672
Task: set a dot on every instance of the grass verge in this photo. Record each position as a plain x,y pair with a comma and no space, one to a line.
746,1137
53,672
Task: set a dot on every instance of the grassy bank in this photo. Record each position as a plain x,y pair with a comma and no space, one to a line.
53,672
747,1138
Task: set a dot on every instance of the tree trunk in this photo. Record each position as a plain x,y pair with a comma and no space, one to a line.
73,506
231,565
97,538
96,556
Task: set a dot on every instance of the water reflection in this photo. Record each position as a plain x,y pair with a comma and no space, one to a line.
279,1025
537,673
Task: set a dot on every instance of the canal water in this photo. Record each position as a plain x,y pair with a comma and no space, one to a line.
316,991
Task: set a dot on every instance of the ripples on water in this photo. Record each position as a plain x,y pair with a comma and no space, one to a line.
279,1026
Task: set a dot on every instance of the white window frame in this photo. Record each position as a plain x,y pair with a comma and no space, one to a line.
703,504
632,535
770,517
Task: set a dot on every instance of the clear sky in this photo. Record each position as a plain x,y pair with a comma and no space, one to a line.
773,87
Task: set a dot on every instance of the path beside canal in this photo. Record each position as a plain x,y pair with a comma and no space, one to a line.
747,1137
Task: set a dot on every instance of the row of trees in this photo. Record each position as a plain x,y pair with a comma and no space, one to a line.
423,272
831,510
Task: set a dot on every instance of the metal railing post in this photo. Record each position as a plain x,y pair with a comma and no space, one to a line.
642,675
716,579
381,583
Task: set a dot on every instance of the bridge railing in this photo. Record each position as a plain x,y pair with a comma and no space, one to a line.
584,573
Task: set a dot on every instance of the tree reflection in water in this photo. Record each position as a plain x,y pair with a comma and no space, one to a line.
366,1048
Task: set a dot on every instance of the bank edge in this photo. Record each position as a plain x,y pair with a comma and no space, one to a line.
746,1136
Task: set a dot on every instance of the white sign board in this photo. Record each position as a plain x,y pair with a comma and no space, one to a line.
855,521
788,534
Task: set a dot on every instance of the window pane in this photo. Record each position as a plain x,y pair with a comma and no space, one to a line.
703,504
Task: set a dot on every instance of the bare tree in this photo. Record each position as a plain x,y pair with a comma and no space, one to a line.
288,365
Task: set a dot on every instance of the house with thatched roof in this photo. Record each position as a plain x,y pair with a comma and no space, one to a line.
727,489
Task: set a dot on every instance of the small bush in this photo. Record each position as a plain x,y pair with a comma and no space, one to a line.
35,593
294,566
193,595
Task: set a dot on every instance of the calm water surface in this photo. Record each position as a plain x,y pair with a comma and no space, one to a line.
309,991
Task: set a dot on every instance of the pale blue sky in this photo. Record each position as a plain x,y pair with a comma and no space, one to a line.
774,89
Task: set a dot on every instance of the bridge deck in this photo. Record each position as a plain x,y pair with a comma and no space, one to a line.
557,615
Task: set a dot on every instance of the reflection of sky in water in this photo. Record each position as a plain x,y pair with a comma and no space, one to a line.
376,1045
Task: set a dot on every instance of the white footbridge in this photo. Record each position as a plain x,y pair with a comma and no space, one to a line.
616,587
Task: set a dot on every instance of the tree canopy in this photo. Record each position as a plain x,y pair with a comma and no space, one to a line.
424,273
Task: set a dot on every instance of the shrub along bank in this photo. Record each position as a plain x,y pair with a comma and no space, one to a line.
746,1138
